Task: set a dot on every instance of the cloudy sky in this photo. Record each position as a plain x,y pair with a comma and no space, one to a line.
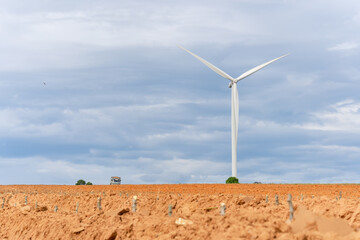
91,89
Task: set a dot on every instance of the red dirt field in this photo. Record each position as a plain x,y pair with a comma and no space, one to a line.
28,211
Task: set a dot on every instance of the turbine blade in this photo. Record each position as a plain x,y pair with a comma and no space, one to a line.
211,66
255,69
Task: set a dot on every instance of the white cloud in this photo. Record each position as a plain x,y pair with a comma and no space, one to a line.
300,172
41,170
302,80
329,149
341,116
66,38
109,125
356,18
344,46
201,129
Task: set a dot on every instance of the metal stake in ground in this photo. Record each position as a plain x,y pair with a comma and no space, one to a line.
222,209
26,202
77,207
291,209
99,203
276,199
134,204
56,209
3,203
35,204
267,198
340,195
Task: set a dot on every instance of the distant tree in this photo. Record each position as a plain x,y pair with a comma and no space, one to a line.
232,180
80,182
89,183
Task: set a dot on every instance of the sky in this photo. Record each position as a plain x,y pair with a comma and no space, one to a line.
92,89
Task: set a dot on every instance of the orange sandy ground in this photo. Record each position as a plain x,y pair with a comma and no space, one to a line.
319,215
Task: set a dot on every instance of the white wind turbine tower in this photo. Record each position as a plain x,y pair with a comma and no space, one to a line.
234,101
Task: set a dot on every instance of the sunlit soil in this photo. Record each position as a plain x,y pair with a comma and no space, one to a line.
106,212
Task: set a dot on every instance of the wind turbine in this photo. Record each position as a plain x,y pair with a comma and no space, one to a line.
234,101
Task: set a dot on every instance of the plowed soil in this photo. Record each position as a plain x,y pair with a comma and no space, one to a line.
106,212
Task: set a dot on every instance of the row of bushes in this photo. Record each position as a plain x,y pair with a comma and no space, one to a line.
82,182
235,180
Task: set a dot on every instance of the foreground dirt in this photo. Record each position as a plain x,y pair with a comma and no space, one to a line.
72,212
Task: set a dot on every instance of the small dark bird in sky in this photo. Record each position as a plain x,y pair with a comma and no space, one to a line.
44,83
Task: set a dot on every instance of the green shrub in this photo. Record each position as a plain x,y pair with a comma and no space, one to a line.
89,183
232,180
80,182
